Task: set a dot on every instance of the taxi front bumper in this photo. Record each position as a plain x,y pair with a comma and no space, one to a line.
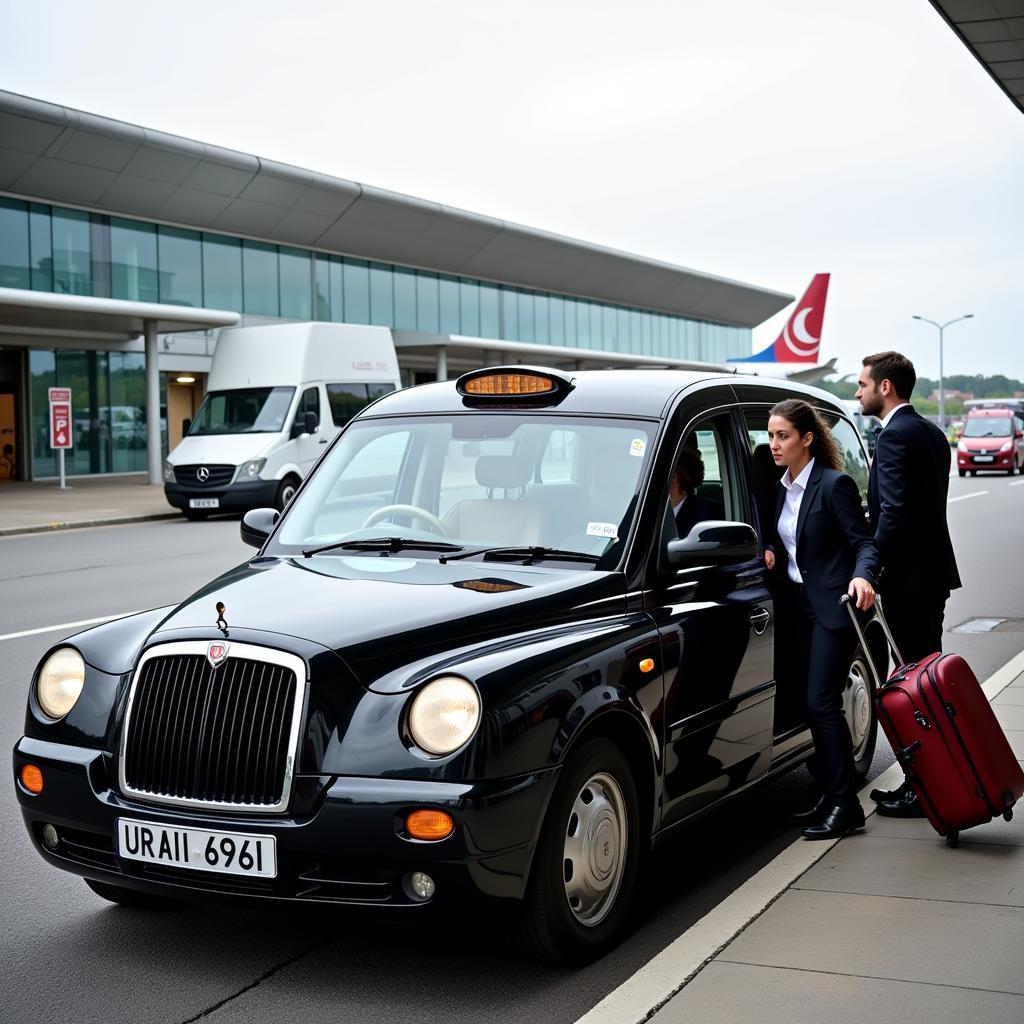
347,847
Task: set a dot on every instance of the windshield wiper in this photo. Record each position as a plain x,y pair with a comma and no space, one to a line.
527,553
386,545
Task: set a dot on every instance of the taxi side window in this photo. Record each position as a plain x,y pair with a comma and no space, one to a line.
720,490
855,462
309,402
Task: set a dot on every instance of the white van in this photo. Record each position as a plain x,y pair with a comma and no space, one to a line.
277,395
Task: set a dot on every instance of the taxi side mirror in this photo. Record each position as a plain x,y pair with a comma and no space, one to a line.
713,542
257,524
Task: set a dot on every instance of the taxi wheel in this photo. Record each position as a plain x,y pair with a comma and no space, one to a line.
585,867
859,711
128,897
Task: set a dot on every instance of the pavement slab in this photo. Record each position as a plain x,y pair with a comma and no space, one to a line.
746,994
1011,716
935,943
1016,738
997,831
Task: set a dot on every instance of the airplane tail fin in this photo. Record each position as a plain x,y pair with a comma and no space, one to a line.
800,338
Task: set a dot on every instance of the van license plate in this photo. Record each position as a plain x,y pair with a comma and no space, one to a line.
229,853
984,458
204,502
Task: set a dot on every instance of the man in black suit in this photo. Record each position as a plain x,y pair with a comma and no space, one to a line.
687,506
907,492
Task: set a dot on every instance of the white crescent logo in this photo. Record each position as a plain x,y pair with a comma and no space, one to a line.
804,344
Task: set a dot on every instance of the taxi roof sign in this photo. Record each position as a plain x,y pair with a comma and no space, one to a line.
513,382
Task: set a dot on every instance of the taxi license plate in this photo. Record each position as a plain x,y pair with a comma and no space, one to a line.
984,458
204,502
229,853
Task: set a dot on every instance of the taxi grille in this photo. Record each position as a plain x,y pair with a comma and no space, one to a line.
192,476
207,735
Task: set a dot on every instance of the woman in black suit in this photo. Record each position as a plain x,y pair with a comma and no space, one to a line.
821,548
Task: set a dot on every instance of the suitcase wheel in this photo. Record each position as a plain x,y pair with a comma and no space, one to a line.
1008,814
952,839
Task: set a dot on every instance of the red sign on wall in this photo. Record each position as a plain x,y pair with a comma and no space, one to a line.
61,435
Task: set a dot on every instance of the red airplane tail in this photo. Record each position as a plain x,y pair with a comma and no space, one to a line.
800,338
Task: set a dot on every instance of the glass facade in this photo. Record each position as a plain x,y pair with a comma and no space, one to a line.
108,391
48,248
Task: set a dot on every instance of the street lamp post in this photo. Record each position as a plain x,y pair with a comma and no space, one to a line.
942,327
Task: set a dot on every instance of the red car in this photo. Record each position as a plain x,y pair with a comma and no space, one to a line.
993,439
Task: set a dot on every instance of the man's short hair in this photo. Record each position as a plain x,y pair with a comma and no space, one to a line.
690,465
894,367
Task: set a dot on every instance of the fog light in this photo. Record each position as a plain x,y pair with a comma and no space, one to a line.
51,840
429,825
419,886
32,778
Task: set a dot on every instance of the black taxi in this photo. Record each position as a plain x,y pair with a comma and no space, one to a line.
472,664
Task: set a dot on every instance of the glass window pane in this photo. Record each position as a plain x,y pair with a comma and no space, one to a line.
382,298
133,266
40,247
540,319
357,291
72,254
181,267
337,290
524,300
259,278
509,314
14,261
595,330
296,283
222,272
321,287
428,315
405,299
489,320
128,411
556,319
469,308
571,333
449,296
345,401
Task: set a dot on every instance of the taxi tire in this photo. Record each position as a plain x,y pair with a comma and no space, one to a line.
548,930
124,897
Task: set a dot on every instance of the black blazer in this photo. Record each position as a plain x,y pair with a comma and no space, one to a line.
907,492
833,542
696,510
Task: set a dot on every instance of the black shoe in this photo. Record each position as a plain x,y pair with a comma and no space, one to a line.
838,821
810,815
904,805
878,795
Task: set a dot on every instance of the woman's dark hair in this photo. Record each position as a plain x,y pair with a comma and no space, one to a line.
805,420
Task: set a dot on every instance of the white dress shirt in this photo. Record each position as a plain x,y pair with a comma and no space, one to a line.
676,508
790,515
892,412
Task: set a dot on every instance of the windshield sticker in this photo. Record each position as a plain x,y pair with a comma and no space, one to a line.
637,447
603,530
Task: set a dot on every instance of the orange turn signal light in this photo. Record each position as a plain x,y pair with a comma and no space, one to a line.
509,384
647,665
429,825
32,778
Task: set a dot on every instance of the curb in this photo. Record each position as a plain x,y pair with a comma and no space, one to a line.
80,524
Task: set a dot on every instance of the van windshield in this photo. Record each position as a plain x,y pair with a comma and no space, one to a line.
243,411
987,426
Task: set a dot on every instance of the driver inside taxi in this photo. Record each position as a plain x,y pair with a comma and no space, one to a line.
688,507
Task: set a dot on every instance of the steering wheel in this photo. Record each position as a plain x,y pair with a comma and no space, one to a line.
413,510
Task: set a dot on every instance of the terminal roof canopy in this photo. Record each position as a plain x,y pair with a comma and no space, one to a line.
60,155
993,30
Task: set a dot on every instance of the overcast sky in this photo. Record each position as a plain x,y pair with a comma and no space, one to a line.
758,141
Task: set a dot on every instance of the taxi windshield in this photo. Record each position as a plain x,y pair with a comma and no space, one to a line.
987,426
243,411
475,482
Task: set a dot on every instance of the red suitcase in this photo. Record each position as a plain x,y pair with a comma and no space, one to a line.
946,736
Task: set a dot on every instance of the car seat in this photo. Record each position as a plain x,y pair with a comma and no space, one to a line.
505,520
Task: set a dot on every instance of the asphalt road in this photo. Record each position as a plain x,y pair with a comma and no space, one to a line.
66,955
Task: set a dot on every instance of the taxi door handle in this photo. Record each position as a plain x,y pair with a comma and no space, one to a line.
759,620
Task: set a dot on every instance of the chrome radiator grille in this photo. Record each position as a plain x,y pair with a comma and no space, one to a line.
204,476
213,737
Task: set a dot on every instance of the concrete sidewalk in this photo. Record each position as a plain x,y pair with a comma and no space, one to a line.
35,507
888,925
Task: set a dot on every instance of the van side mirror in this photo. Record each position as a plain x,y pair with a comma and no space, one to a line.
257,525
186,424
713,542
305,423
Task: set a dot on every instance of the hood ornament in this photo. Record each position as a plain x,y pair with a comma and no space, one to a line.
222,623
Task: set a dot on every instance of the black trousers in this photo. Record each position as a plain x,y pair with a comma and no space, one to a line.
916,622
824,657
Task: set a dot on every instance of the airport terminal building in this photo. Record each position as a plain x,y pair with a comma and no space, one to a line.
123,248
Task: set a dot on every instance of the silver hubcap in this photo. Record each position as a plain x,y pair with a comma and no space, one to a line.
857,705
594,856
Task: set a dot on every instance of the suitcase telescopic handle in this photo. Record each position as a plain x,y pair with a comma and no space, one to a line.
880,617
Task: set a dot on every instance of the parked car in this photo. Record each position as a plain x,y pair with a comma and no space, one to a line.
992,439
471,665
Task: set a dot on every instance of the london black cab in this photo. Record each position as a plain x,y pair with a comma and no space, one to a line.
992,439
471,665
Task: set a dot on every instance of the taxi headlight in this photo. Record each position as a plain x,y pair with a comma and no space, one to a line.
444,715
253,468
60,682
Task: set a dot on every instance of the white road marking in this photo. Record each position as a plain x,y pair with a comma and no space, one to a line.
1018,483
662,977
964,497
65,625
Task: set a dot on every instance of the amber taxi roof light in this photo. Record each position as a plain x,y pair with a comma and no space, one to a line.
513,382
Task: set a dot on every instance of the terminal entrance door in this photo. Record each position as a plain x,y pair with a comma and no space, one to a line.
12,453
